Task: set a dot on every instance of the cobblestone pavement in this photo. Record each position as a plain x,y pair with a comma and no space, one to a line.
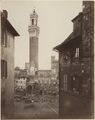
45,108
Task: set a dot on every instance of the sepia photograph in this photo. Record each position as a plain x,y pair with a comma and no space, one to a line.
47,59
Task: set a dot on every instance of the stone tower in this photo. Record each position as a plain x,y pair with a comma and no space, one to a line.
33,30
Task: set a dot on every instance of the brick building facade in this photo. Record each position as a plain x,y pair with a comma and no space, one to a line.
76,61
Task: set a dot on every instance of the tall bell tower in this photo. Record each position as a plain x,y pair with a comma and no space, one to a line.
33,30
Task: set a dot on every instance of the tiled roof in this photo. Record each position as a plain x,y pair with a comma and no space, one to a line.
71,37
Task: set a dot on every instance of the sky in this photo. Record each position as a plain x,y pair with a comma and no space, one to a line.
54,20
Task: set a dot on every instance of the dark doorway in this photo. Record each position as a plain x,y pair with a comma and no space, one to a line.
29,89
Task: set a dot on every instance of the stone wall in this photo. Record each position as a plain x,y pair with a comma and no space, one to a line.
77,105
88,41
7,53
88,29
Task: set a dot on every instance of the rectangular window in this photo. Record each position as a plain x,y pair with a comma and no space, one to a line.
76,84
4,39
65,84
3,69
77,53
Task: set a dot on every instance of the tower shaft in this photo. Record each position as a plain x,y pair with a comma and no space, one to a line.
33,30
33,52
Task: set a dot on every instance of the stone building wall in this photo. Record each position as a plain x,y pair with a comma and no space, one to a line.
7,53
88,29
78,102
0,46
88,43
7,66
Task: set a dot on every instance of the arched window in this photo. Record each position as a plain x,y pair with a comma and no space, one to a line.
32,21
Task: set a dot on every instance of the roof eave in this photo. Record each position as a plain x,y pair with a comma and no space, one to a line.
57,48
60,46
11,28
80,14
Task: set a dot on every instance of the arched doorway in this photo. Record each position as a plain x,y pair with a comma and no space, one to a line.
29,89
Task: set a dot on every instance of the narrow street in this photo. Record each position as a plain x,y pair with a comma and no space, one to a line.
41,110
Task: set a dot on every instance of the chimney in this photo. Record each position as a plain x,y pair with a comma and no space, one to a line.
5,14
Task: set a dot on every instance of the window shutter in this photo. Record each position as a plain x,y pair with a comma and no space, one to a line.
2,37
5,38
2,68
5,69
